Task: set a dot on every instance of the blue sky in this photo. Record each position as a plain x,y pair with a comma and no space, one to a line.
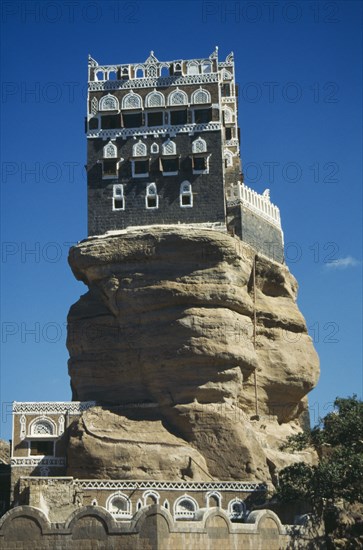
298,66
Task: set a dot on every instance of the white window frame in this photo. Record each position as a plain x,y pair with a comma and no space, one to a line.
173,94
115,196
114,149
187,514
195,143
107,109
149,97
148,194
206,170
188,193
134,149
233,514
125,99
154,149
124,513
139,159
203,91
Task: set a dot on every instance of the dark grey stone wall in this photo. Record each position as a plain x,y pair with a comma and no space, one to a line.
256,231
208,194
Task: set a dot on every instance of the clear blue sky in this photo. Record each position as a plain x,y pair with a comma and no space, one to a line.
298,66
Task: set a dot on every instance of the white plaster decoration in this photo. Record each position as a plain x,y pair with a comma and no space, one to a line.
201,96
61,425
226,75
152,71
109,103
155,130
230,99
239,193
141,82
99,75
154,148
119,505
155,99
139,504
125,72
168,148
132,101
232,142
217,495
193,67
118,200
199,146
42,427
228,157
108,484
139,149
151,59
177,97
94,106
139,71
92,62
228,115
94,502
230,58
22,427
110,151
154,496
49,407
166,504
24,462
185,507
236,508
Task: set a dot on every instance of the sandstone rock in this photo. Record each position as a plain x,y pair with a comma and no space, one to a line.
168,321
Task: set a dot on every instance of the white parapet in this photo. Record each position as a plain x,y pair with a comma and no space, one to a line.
239,193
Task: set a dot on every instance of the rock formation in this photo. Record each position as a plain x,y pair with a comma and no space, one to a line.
163,341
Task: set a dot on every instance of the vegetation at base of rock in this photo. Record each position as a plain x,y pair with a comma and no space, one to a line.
334,487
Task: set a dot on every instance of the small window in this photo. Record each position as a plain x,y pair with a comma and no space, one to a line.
118,201
200,165
155,119
110,168
93,124
186,195
154,148
193,67
178,117
132,120
41,448
202,116
177,69
109,122
226,90
228,133
140,168
139,73
139,149
206,67
170,166
125,73
152,199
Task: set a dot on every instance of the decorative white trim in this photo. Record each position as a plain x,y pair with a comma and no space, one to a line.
185,513
22,427
232,486
151,192
156,130
168,147
186,191
118,195
97,86
29,462
45,422
199,145
131,101
239,193
155,99
133,173
94,106
150,493
177,97
109,103
49,407
120,513
110,151
201,96
228,156
139,149
154,149
215,494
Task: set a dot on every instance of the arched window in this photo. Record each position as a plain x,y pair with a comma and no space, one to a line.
193,67
125,73
152,199
206,67
178,70
154,148
164,71
132,101
213,499
185,507
186,195
139,72
112,75
119,505
199,146
155,99
151,497
43,427
139,149
118,199
201,96
178,97
236,509
228,159
166,504
100,75
228,115
168,148
110,151
109,103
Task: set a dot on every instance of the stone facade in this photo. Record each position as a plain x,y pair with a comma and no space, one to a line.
164,149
